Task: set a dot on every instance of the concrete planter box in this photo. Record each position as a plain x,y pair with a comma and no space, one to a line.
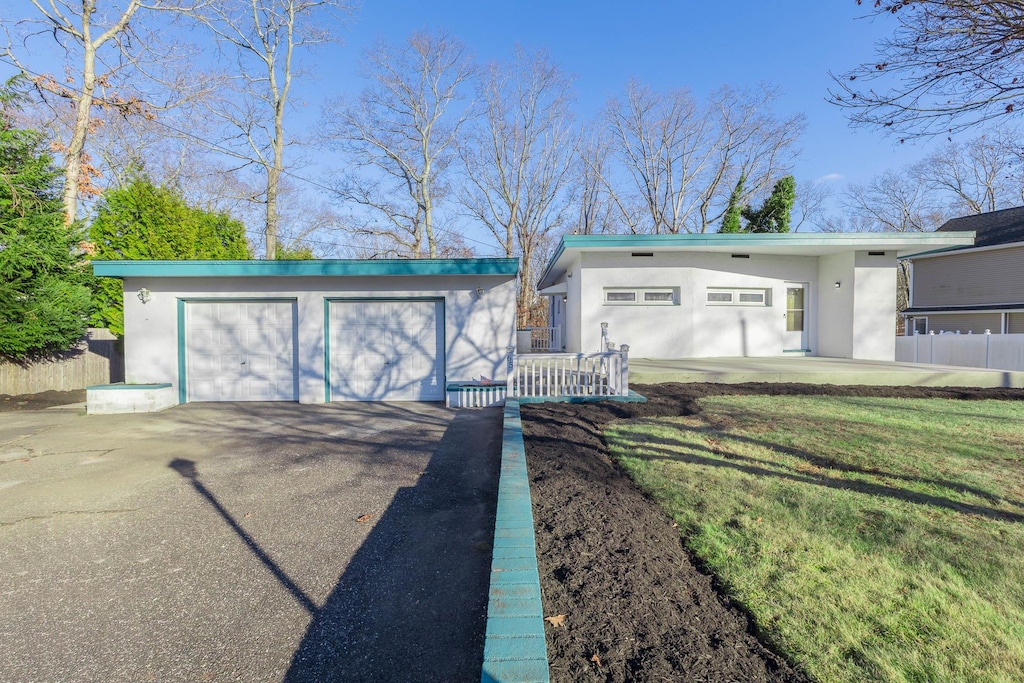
474,395
106,399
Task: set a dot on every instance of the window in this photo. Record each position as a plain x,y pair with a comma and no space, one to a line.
722,296
642,296
920,325
620,297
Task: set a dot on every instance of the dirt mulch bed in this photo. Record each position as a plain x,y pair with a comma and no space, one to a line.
638,605
45,399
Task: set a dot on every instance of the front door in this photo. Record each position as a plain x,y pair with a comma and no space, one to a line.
795,337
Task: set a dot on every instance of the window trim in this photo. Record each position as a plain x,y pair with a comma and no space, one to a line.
640,296
735,294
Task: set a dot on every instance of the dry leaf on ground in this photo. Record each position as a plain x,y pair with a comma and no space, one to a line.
557,621
364,518
596,660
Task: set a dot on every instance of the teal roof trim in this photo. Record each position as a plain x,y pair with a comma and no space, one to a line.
699,241
752,239
326,267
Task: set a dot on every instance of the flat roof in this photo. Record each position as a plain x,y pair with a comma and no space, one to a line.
322,267
778,244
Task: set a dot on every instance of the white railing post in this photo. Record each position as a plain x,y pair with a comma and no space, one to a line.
624,370
604,338
510,376
988,340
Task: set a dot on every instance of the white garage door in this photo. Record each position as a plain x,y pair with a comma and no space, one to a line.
241,351
387,350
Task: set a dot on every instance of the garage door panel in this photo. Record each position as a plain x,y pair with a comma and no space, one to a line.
241,351
386,350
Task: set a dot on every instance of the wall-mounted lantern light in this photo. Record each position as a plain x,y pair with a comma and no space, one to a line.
838,284
145,295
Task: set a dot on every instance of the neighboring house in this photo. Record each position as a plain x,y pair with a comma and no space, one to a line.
976,289
687,296
315,331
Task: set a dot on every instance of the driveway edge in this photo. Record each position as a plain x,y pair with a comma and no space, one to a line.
515,650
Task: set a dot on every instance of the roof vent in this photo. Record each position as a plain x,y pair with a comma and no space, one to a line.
642,253
741,255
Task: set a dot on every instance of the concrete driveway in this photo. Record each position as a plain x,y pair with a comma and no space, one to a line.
221,542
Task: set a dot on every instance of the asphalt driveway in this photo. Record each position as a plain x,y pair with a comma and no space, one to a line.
222,542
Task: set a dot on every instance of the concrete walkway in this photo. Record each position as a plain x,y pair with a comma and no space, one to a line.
816,370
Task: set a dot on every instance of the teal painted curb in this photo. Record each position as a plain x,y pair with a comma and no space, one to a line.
633,397
514,647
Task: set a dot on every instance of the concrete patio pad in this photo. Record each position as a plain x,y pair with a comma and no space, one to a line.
815,370
222,542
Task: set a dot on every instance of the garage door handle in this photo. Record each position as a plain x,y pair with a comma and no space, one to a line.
243,362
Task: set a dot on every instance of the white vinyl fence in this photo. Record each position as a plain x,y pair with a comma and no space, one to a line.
996,351
569,374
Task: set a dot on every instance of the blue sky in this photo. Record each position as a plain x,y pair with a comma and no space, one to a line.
700,45
792,44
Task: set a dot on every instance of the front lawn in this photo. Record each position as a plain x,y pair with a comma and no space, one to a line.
870,538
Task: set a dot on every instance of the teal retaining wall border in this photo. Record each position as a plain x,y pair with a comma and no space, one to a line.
514,647
633,397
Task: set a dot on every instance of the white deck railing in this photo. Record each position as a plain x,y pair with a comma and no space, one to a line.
569,374
545,338
996,351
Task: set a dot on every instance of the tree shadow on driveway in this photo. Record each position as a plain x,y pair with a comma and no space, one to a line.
411,604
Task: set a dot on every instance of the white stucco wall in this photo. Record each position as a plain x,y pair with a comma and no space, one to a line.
874,307
477,328
692,328
835,306
852,321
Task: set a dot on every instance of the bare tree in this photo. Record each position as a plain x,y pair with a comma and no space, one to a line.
518,160
400,137
980,175
809,207
265,38
949,65
895,202
684,158
595,211
105,50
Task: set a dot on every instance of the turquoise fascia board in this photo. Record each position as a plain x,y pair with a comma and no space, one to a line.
325,267
746,240
128,387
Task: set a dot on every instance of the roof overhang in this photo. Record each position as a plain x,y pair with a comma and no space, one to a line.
786,244
319,268
555,290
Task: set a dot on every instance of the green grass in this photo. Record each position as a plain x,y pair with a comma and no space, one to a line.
871,539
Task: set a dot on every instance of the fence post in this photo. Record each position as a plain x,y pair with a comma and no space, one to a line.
510,377
624,376
604,338
988,340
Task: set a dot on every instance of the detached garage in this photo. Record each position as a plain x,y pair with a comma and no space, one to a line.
315,331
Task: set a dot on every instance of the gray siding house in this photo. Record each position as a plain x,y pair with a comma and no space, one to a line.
971,289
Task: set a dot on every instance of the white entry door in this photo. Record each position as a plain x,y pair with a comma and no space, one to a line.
795,337
241,351
386,350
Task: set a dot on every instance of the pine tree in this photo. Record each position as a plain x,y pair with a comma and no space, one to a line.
44,300
146,221
776,212
731,220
